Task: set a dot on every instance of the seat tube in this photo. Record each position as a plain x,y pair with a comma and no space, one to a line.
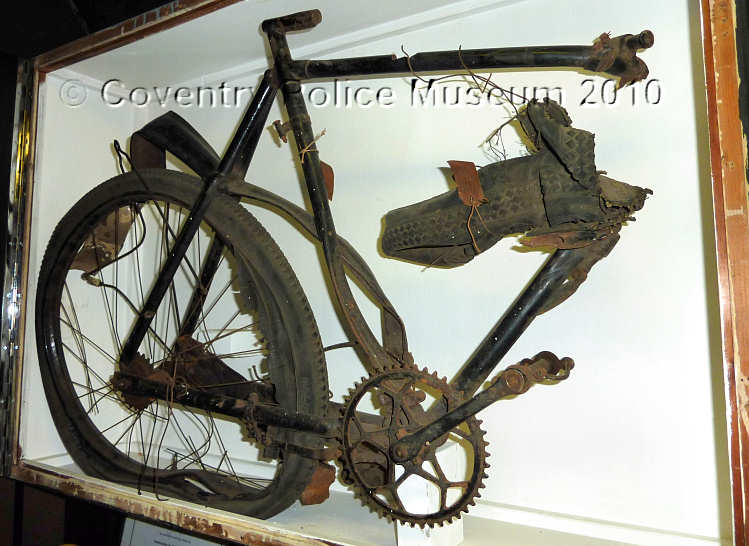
291,89
309,157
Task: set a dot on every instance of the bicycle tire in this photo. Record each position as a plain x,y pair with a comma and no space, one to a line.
261,279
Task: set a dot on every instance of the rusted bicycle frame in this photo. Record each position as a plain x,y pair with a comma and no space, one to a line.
557,278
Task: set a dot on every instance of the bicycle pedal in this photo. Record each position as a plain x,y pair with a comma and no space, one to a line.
542,368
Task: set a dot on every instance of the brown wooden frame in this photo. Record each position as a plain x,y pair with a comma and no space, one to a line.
731,210
728,164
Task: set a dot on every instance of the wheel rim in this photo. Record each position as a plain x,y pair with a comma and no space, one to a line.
161,445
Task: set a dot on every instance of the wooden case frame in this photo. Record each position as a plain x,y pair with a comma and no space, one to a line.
729,183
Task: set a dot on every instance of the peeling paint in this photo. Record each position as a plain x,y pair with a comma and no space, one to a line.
202,525
172,512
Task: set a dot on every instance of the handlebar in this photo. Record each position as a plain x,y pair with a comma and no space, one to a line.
301,20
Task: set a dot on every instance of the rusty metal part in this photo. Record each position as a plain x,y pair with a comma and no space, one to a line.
368,466
282,129
300,20
253,412
329,178
514,380
567,239
138,385
140,367
318,488
194,365
545,366
106,240
321,454
592,254
618,56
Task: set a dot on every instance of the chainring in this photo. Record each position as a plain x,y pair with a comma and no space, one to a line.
446,474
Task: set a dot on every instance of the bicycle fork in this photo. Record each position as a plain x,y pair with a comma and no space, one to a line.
233,164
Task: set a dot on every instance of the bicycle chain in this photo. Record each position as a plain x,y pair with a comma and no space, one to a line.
365,446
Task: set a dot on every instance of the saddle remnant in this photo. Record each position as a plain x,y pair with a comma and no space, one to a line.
555,196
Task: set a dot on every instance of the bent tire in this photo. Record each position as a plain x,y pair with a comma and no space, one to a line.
255,320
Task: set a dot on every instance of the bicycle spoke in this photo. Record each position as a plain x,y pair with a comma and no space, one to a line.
155,442
216,300
240,354
96,402
223,448
110,317
81,346
128,430
104,430
86,367
142,439
226,333
90,391
138,270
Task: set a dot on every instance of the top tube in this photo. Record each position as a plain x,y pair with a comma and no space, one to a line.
438,61
614,56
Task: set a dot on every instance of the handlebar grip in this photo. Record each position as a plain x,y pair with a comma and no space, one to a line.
644,40
301,20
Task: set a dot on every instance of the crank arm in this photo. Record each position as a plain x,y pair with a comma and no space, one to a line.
514,380
247,410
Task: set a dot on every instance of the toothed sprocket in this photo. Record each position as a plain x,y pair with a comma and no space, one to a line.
446,475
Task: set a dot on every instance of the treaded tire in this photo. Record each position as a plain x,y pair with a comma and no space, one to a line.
296,366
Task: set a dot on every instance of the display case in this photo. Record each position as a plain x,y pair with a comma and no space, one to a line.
635,447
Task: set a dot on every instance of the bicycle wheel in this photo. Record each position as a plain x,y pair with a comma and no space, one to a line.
255,329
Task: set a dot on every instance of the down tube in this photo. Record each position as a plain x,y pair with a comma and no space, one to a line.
549,279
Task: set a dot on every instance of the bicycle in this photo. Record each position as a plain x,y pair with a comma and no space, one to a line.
152,252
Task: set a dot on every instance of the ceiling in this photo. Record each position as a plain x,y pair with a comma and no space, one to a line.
231,37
